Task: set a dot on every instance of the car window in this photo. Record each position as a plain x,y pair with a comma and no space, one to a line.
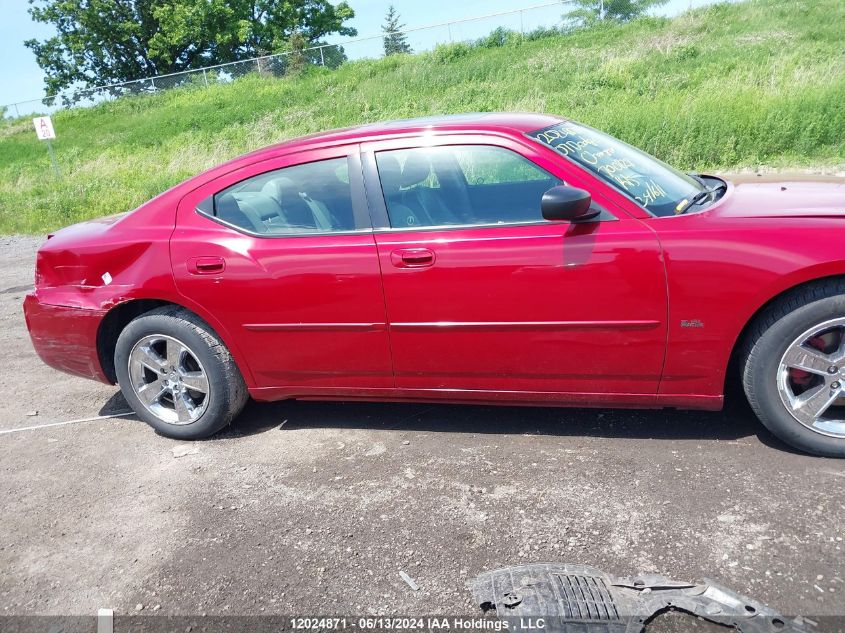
493,165
660,189
309,198
461,185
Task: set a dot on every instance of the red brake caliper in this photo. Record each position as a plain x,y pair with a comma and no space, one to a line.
799,376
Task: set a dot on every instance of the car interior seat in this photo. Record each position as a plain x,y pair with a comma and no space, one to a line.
297,210
329,197
401,215
227,209
432,201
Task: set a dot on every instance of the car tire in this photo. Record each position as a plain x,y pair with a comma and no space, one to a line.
767,372
175,354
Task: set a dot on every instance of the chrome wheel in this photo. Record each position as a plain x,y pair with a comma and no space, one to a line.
168,379
811,378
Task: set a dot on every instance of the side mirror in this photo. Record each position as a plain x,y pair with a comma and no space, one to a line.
570,204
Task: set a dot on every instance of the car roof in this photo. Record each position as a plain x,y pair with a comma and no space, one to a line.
479,122
491,122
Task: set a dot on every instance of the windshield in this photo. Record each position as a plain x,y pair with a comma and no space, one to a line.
659,188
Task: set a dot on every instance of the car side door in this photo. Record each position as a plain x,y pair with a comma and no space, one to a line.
483,295
281,254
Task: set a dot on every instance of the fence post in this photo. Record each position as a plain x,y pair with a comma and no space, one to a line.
258,65
205,77
322,60
153,83
17,112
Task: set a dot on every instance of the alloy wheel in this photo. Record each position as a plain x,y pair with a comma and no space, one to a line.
811,378
168,379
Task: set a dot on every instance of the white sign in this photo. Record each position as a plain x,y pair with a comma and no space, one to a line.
44,128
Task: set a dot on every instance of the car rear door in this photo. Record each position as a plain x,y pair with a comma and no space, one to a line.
281,255
483,295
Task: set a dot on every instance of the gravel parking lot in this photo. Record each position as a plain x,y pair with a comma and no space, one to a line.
312,508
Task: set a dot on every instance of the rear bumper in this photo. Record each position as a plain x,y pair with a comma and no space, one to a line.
65,338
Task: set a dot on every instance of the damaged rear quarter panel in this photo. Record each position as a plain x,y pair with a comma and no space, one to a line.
96,266
94,271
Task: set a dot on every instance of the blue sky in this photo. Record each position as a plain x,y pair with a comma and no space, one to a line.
22,79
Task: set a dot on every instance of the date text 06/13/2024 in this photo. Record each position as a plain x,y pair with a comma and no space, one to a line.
432,623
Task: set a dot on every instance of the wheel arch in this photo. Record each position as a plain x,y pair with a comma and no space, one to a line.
740,344
120,315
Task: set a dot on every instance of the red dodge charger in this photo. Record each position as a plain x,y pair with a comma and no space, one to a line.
495,258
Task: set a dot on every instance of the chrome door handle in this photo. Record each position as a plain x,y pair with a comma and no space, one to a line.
412,257
206,265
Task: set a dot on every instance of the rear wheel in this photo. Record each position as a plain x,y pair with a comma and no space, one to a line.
794,371
177,375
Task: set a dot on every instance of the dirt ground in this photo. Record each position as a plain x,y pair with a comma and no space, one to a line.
311,508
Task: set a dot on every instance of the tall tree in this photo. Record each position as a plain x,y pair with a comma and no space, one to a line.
100,42
590,11
296,53
395,41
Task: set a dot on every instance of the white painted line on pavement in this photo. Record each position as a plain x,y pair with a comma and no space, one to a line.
44,426
105,621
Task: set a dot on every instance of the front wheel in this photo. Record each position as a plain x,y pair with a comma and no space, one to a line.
794,372
177,375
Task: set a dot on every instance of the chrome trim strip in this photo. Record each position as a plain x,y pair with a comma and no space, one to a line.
525,325
315,327
452,325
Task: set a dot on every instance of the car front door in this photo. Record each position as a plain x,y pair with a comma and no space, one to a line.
280,254
483,295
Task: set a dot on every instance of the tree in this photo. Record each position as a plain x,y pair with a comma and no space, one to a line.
101,42
591,11
296,53
395,41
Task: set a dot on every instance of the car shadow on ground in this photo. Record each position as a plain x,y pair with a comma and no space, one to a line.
735,422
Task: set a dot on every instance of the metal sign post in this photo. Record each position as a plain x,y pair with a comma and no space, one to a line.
53,158
45,132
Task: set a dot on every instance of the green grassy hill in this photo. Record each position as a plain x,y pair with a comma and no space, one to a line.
741,85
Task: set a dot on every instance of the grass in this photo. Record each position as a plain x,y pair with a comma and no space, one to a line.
758,83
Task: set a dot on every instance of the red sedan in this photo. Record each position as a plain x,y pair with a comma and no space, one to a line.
495,258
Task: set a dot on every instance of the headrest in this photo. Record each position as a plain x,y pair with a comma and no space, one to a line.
416,169
226,205
286,188
228,210
271,189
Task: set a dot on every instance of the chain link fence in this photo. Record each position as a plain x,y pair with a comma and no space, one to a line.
528,21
